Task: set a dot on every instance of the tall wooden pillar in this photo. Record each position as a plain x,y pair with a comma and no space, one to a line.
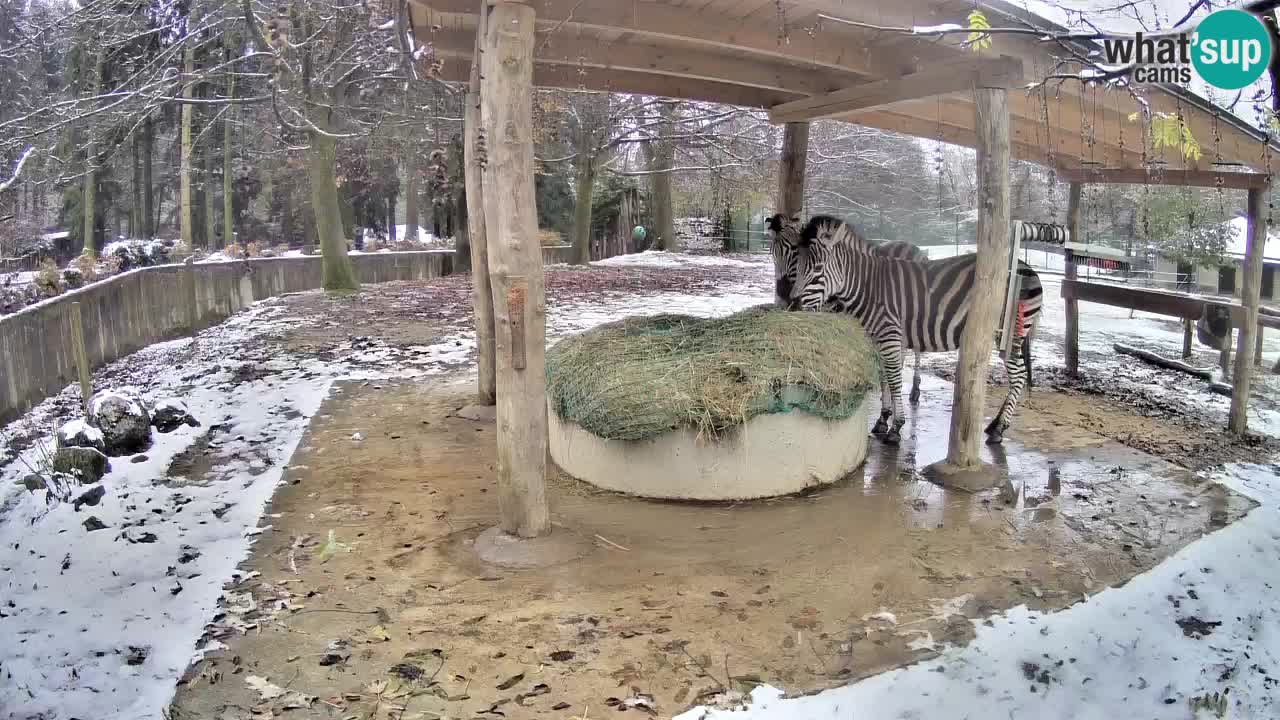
992,125
791,168
515,267
1073,307
1250,295
481,294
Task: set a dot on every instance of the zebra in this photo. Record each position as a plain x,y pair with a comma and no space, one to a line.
784,255
919,305
903,250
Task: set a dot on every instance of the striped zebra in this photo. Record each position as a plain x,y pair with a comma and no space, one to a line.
917,305
902,250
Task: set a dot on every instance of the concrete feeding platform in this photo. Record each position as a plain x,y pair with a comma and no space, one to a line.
674,600
767,456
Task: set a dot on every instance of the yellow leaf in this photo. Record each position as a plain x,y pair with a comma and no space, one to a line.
978,22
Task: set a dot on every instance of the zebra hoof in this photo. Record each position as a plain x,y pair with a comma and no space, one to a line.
995,437
914,397
893,437
880,428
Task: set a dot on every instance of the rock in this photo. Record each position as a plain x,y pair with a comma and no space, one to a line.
124,420
170,414
85,464
34,482
93,523
80,434
89,497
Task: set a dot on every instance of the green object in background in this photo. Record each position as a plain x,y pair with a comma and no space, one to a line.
638,233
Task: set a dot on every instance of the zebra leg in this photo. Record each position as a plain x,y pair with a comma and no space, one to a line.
1026,358
914,397
886,405
1013,366
891,356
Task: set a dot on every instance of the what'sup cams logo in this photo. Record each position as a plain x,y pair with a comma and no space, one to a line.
1229,49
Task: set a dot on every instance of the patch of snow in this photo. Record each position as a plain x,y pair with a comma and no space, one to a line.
662,258
78,426
124,395
944,27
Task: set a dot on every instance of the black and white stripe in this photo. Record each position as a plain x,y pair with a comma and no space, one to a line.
901,304
902,250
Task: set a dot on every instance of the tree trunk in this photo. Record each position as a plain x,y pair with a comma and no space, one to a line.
91,176
186,223
1250,293
338,274
461,233
660,182
135,211
391,217
518,296
148,192
990,277
1072,340
584,184
481,292
206,185
228,209
791,168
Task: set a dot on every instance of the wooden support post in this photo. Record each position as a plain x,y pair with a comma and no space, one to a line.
481,293
1188,331
991,108
1224,358
1257,348
82,358
791,168
1072,305
1250,295
515,267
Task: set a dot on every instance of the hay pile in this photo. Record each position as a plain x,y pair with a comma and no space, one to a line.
640,377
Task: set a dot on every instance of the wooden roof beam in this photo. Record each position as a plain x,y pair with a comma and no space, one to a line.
640,83
1000,72
684,62
1179,178
1024,146
677,25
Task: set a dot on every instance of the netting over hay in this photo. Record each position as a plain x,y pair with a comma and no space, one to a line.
640,377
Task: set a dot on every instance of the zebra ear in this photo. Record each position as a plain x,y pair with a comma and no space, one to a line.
775,223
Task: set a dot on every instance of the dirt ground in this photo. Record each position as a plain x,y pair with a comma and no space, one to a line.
364,598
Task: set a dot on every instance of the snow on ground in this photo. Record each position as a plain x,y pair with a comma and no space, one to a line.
102,624
1201,622
661,258
24,277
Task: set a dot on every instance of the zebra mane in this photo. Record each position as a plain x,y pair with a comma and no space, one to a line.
838,230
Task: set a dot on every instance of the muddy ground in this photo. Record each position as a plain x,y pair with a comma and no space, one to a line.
396,617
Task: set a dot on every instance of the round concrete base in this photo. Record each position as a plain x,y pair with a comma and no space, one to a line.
982,477
770,455
504,550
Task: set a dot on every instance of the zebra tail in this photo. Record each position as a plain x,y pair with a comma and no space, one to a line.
1026,356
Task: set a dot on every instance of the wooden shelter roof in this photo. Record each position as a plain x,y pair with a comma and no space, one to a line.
797,59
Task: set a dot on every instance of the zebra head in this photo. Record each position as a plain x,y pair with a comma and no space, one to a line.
822,241
784,245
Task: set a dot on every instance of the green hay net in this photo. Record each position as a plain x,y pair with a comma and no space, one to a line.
640,377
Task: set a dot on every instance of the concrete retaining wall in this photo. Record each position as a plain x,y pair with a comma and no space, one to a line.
135,309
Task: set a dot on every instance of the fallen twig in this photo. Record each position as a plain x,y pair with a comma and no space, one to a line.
611,543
